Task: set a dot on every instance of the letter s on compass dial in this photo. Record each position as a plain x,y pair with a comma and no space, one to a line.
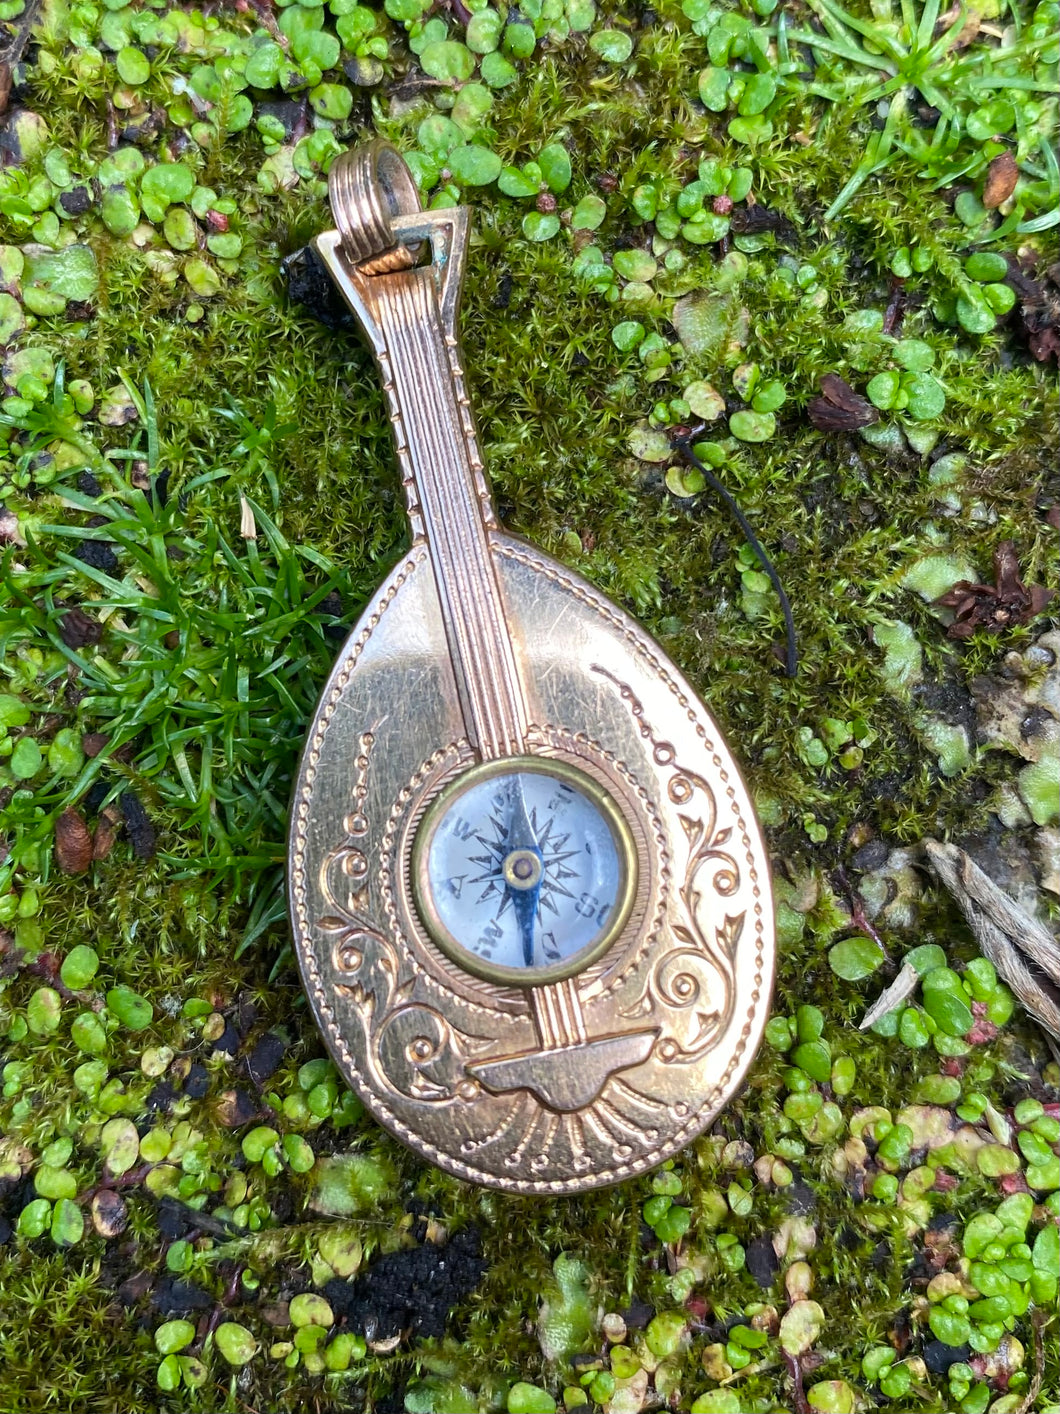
523,870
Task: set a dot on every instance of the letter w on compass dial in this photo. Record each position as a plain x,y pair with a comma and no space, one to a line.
523,870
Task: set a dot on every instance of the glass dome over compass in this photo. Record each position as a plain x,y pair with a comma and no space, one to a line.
523,870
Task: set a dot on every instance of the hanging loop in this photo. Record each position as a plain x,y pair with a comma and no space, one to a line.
368,187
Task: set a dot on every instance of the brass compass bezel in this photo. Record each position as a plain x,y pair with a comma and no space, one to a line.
456,951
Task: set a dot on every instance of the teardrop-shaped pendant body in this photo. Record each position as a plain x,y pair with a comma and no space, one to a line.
530,898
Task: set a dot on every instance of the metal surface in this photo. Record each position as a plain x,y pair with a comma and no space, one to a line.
478,648
421,893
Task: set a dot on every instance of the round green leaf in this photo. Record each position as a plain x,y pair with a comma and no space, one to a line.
167,182
13,712
684,481
815,1058
974,313
54,1182
854,958
132,1010
588,214
43,1011
540,225
331,100
484,31
79,966
986,266
264,65
26,759
758,94
925,957
991,120
87,1033
133,65
752,426
554,162
473,103
167,1376
627,335
714,89
525,1398
309,1309
258,1142
519,40
179,229
614,46
448,59
68,1223
913,355
172,1336
926,397
119,210
497,71
473,165
65,756
883,389
704,400
34,1218
235,1343
513,182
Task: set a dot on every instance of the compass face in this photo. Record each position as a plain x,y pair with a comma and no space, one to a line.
523,870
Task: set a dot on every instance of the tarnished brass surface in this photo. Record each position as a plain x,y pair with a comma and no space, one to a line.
477,648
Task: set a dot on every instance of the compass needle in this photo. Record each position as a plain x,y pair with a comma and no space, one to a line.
522,860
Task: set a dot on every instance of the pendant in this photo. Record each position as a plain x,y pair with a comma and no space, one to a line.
530,898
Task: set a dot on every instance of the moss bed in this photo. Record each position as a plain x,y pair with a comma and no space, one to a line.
685,216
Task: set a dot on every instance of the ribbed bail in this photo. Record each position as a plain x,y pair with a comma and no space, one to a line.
368,186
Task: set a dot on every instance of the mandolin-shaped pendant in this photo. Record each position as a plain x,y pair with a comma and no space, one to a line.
530,898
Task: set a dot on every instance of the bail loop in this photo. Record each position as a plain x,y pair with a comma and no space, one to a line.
368,186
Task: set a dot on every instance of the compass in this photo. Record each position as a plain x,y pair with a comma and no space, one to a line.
524,871
529,896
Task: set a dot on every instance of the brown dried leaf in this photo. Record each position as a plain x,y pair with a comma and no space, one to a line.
73,843
994,607
839,408
79,630
1001,178
1025,954
110,1217
235,1108
92,743
106,832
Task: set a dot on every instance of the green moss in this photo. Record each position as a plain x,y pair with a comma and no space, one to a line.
149,337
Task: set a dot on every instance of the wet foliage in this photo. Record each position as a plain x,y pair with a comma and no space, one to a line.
815,247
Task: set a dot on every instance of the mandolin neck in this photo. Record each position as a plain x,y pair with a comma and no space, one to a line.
409,319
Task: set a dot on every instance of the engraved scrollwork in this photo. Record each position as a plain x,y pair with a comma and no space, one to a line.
344,876
695,982
421,1054
411,1048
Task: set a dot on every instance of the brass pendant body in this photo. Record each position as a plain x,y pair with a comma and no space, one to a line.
477,652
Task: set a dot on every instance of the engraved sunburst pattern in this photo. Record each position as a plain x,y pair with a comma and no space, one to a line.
556,853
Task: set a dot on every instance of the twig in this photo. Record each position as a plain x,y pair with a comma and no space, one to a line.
1006,935
1037,1321
858,917
900,990
681,439
801,1406
892,316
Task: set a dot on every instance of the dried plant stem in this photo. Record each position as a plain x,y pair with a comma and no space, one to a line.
1024,953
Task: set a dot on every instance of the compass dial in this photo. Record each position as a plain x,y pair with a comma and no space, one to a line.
523,870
